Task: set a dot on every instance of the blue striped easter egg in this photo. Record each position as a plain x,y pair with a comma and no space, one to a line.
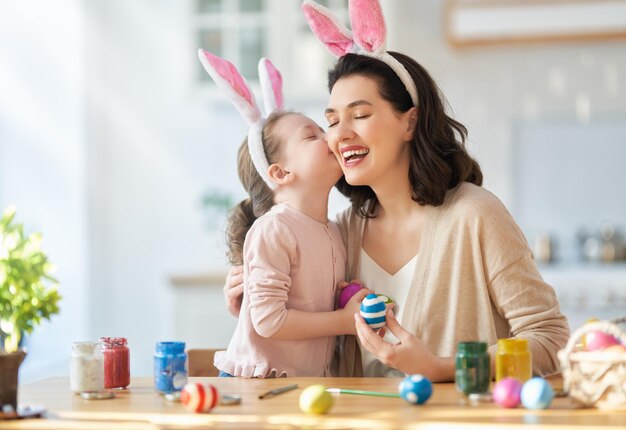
373,310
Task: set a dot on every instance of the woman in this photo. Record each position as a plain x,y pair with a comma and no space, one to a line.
423,231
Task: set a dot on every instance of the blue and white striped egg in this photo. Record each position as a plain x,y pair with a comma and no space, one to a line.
373,310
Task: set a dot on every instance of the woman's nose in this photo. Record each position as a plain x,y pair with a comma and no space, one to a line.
343,131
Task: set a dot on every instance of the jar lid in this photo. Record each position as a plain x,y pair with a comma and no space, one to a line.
113,342
170,347
512,345
86,348
472,347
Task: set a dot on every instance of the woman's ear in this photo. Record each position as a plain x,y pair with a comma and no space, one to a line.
279,175
411,116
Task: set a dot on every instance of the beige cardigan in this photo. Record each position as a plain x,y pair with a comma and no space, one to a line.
475,279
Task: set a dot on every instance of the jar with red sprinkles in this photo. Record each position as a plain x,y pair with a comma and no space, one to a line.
116,362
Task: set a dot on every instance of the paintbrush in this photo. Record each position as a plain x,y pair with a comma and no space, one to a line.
361,392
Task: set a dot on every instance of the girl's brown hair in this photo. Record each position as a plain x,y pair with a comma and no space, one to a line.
439,160
261,197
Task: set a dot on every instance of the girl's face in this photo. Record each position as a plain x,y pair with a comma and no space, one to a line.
305,151
368,137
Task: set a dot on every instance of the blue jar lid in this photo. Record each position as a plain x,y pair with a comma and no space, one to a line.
170,347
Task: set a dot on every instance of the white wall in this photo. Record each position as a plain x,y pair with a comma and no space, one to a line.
42,158
492,90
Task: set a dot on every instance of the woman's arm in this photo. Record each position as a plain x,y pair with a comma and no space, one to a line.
516,289
233,290
409,355
532,310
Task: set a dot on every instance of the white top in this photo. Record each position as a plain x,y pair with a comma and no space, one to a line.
396,287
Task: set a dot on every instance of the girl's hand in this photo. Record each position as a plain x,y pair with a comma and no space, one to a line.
233,290
354,306
409,355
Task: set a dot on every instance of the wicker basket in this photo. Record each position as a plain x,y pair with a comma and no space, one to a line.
595,378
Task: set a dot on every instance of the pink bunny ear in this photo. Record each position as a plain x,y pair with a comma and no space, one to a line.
232,83
368,25
327,28
271,86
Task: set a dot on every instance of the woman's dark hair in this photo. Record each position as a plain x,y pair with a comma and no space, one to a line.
261,197
439,160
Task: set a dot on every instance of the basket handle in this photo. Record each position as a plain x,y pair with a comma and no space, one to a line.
609,327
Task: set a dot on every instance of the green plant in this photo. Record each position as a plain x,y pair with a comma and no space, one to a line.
25,297
216,204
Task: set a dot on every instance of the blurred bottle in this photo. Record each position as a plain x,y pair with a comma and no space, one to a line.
543,248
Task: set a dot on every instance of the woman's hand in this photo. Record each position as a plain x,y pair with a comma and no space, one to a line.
410,355
233,290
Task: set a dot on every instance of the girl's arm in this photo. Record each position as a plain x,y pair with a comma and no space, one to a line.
271,253
310,325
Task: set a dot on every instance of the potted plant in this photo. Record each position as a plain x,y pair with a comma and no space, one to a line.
28,295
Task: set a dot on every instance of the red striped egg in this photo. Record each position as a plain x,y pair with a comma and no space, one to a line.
199,397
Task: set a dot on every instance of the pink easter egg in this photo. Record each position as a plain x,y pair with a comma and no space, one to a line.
347,292
507,392
615,349
596,340
199,397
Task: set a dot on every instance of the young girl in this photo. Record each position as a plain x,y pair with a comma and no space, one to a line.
292,256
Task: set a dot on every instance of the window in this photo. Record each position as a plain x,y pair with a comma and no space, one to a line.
233,29
243,31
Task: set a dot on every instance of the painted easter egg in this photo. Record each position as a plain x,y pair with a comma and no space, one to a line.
347,292
596,340
199,397
373,310
615,349
537,393
315,400
416,389
386,299
507,392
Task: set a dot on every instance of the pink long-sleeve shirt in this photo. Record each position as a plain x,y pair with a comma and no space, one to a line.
291,261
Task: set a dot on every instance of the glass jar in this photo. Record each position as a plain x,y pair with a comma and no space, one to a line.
473,371
513,360
86,367
116,362
170,367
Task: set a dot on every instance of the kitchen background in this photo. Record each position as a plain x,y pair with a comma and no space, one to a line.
115,146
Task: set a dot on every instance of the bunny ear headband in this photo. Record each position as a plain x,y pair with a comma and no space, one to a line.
368,35
226,76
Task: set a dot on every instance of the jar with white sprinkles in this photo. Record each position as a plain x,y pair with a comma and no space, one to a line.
86,367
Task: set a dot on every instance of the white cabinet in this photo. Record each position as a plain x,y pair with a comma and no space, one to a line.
588,290
200,317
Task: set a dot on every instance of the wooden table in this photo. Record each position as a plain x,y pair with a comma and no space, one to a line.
140,407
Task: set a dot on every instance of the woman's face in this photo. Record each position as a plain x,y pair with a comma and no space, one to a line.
368,137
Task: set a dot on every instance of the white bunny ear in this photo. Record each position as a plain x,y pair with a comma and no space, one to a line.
271,86
368,25
328,29
234,85
226,76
